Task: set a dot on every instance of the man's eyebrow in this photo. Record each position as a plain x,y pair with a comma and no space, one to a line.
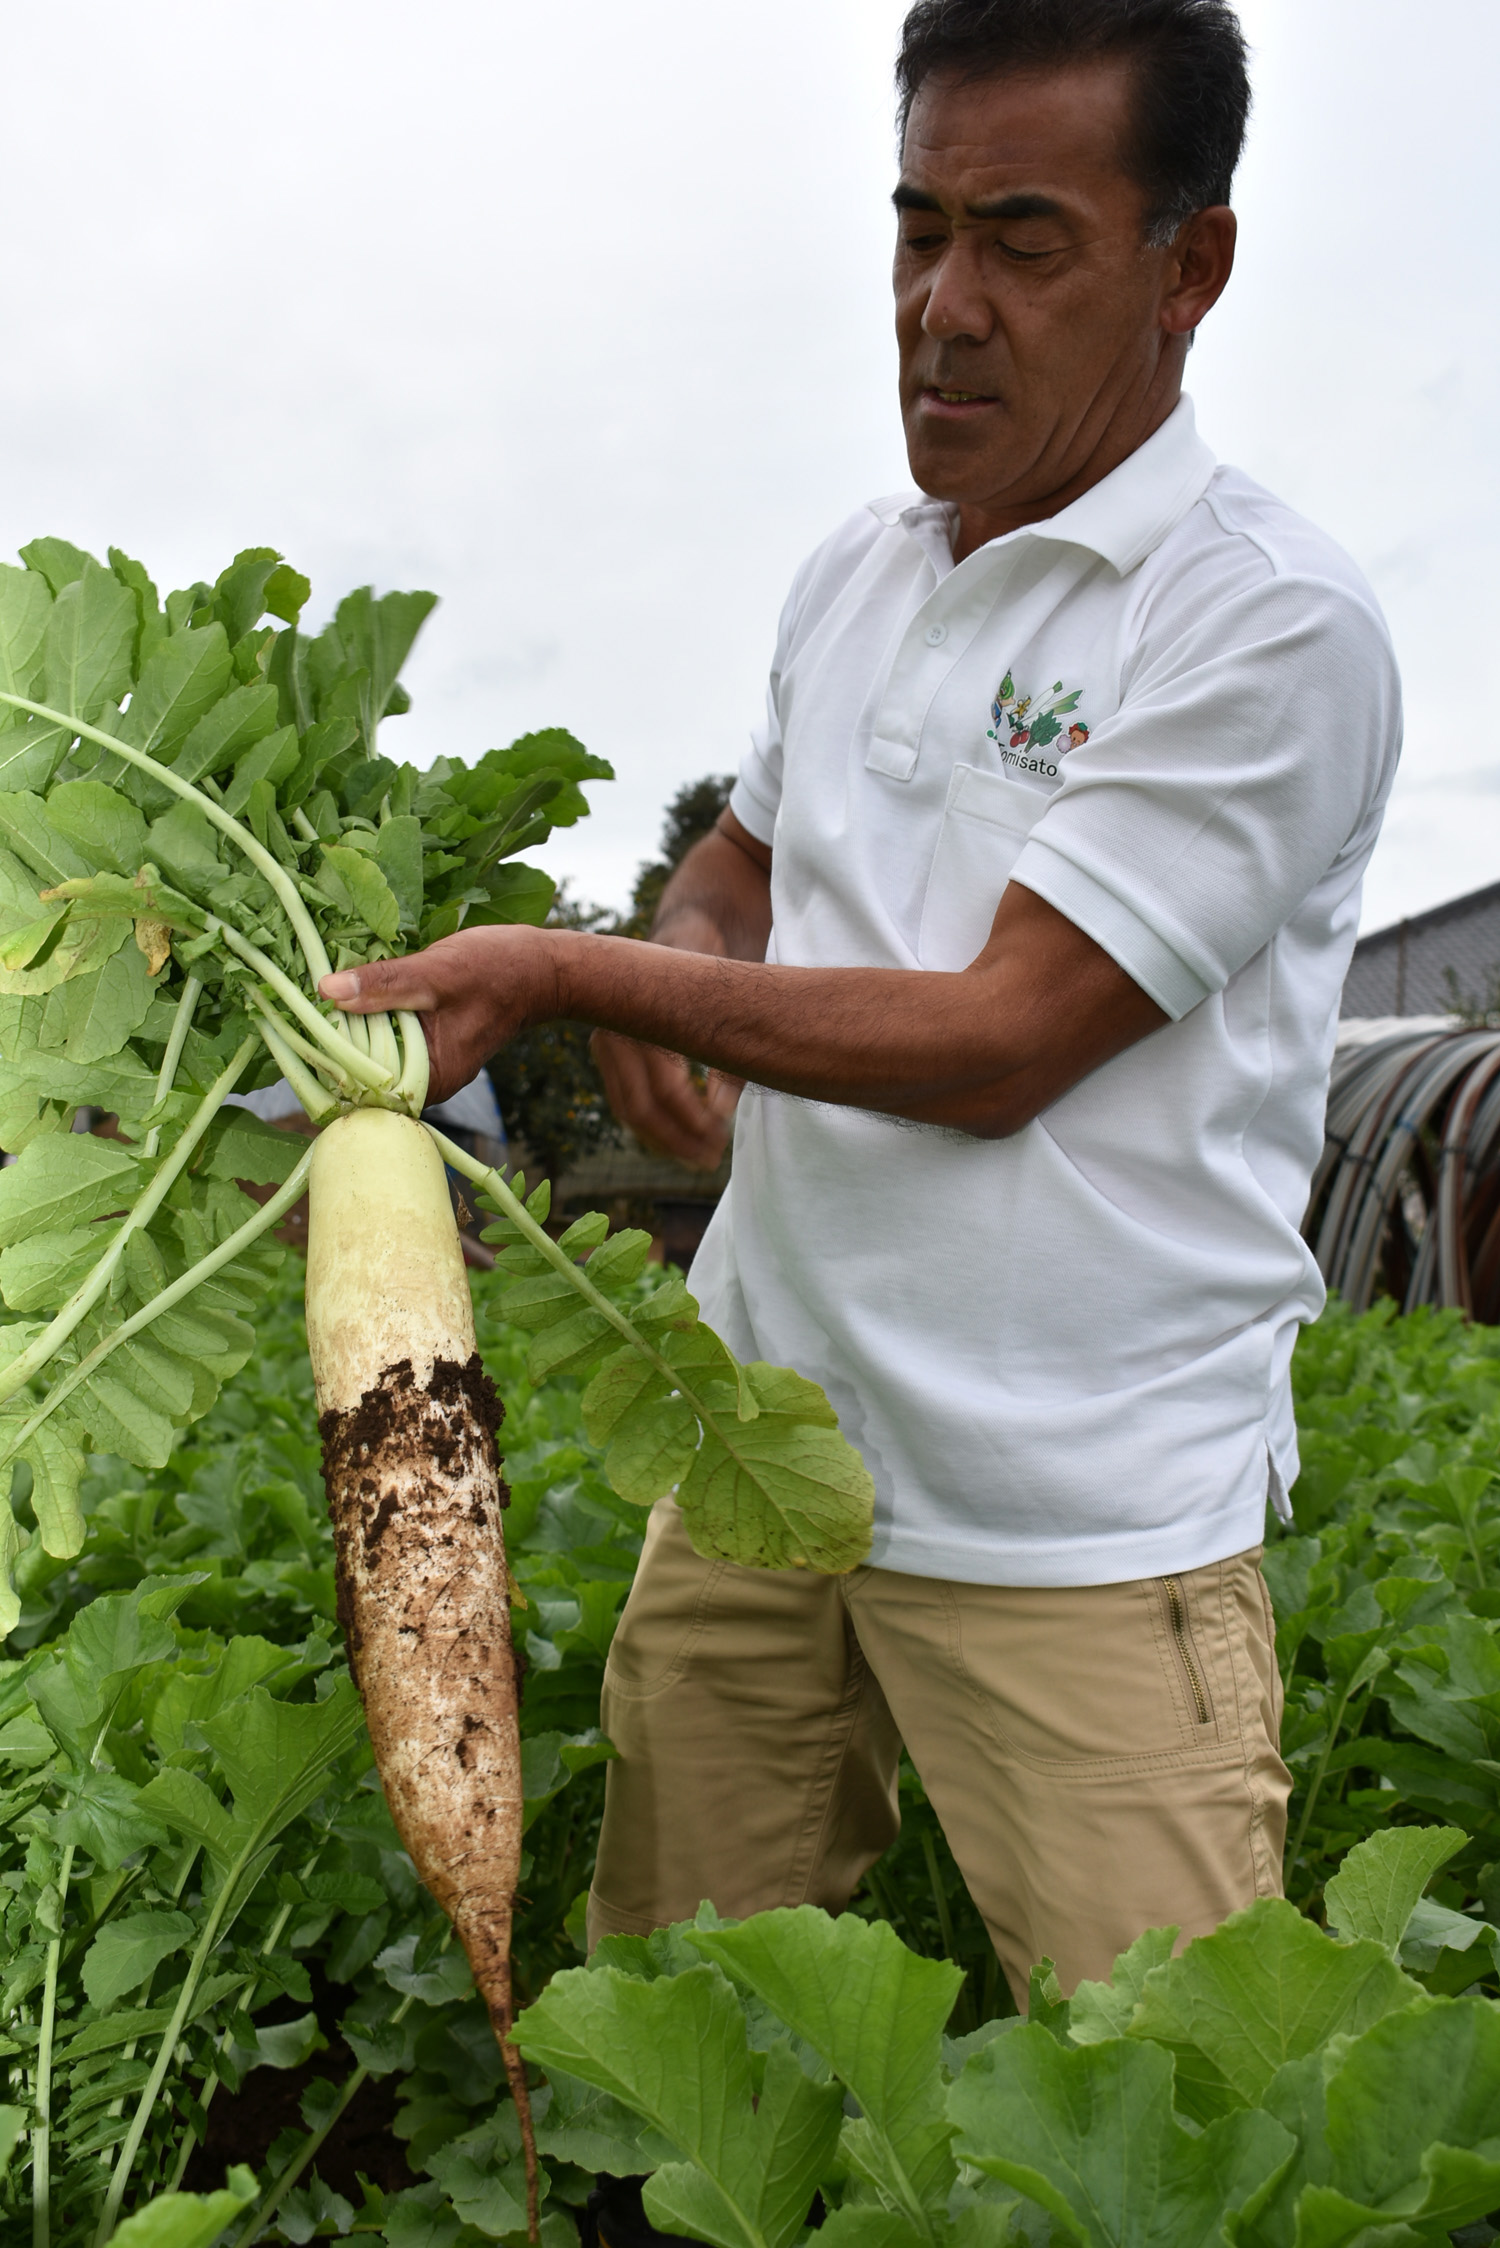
908,198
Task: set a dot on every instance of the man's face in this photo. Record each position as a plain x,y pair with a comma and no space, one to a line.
1029,310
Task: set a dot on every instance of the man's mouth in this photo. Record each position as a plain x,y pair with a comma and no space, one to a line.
954,400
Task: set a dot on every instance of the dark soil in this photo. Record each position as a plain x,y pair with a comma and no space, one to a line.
242,2127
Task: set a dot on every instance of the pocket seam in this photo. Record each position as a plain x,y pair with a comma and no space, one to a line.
973,779
647,1689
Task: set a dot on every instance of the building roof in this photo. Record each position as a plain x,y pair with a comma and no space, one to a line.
1431,963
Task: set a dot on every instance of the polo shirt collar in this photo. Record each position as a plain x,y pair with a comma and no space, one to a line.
1123,518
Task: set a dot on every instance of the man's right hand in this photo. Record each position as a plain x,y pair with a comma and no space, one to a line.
657,1096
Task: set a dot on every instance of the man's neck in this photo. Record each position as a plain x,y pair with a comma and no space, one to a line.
979,521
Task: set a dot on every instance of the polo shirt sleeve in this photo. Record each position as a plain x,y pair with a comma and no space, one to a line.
755,798
1253,746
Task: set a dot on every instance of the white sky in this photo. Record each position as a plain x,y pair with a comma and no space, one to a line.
579,315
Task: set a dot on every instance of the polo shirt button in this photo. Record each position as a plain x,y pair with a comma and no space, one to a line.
936,635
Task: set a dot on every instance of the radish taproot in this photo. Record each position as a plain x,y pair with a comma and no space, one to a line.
408,1419
196,824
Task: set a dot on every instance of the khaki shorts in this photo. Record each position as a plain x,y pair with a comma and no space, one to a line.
1103,1759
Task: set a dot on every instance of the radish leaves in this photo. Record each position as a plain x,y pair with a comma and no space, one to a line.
198,818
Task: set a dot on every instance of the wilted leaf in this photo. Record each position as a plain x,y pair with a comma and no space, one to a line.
155,941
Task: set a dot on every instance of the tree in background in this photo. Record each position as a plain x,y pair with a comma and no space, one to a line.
551,1096
692,814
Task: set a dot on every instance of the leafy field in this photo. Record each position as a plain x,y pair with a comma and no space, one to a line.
215,1956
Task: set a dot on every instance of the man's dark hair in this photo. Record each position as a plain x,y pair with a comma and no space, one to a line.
1192,88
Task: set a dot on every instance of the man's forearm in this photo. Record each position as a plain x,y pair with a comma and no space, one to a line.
976,1051
981,1051
867,1037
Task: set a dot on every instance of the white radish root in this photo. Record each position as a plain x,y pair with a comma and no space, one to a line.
408,1418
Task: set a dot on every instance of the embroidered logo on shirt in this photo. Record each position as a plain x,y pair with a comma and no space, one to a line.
1024,733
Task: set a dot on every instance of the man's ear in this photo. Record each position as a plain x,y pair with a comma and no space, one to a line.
1198,267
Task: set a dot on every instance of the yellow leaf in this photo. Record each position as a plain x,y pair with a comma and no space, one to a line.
155,940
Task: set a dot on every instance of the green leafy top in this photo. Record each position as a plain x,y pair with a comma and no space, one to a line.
198,821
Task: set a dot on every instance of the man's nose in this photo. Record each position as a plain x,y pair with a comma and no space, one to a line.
957,308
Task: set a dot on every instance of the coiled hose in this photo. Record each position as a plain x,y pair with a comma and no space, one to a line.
1406,1198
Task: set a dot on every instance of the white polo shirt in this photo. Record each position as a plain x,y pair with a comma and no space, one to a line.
1173,711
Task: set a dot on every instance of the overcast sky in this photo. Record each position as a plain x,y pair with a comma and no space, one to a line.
580,316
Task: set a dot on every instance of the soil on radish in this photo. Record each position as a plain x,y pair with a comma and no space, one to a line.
395,1424
412,1472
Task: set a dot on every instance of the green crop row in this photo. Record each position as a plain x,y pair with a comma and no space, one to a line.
208,1920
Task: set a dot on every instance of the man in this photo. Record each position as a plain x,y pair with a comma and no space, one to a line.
1035,1013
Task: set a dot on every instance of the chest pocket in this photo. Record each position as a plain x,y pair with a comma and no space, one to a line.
985,823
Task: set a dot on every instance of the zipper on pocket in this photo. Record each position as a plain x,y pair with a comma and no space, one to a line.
1177,1609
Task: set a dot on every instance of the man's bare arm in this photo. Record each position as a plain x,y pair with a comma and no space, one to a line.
983,1050
718,901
